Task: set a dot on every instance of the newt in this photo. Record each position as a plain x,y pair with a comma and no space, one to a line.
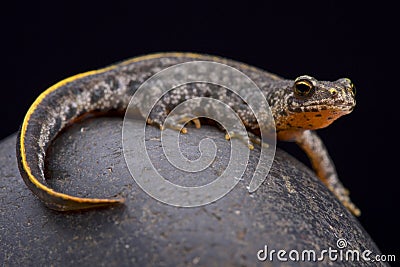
299,107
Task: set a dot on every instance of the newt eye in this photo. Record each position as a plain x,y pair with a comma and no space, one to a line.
303,87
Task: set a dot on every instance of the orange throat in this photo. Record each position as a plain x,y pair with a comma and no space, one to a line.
307,120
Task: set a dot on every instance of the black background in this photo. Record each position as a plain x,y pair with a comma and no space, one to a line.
43,43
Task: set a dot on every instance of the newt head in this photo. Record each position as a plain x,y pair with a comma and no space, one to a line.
313,104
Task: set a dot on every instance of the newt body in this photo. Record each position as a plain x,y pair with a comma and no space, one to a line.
298,107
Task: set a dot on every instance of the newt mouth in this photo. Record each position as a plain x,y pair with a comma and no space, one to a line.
318,108
341,107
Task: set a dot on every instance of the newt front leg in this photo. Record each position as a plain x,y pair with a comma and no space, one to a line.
323,165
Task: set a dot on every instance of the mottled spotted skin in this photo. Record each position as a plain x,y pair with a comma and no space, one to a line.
295,113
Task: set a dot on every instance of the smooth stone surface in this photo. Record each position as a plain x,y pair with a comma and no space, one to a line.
291,210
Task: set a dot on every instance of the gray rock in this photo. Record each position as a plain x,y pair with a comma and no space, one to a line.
292,210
